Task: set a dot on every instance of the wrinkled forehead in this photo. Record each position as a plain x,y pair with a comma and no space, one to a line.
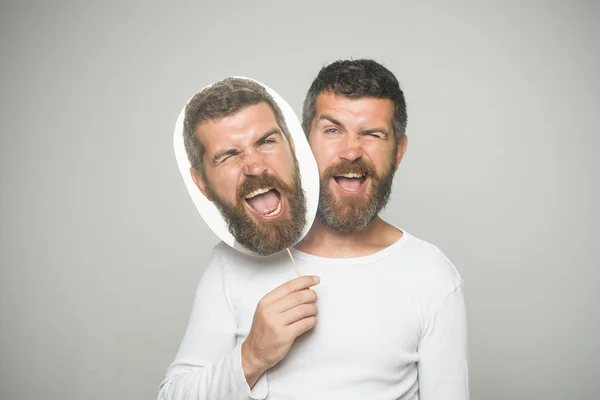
239,128
360,111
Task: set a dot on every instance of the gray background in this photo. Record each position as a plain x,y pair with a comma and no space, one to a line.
101,247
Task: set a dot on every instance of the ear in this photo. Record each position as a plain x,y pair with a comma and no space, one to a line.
199,181
292,145
400,151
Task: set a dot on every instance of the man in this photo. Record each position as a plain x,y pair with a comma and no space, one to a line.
242,159
391,314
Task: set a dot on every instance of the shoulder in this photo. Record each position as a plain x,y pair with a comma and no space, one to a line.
228,259
432,271
241,265
222,250
242,273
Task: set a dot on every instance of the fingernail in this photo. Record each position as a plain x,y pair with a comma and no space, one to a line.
317,279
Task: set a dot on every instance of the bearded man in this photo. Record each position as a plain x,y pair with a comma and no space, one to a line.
391,313
242,159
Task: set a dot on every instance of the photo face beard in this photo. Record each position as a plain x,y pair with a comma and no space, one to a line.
344,213
265,237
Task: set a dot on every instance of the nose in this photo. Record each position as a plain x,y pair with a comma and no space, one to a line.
254,165
351,149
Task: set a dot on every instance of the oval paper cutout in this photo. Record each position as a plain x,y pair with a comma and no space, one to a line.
309,173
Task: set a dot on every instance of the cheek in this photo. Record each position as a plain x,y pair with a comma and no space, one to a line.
324,152
379,153
282,164
322,158
226,180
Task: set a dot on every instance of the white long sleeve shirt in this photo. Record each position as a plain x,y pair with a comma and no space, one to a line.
392,325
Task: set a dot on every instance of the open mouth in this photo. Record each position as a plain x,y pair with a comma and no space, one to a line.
265,203
351,183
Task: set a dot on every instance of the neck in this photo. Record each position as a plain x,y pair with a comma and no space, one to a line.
324,242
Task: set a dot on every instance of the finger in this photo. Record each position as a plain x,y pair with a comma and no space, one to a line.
299,312
294,299
296,284
299,327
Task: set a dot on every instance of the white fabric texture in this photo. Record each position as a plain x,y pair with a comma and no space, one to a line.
392,325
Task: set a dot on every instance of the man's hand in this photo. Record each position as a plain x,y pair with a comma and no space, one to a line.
281,316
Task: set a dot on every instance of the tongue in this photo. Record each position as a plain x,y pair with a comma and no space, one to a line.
264,203
350,184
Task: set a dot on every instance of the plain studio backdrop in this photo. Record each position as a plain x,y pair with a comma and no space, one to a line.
101,247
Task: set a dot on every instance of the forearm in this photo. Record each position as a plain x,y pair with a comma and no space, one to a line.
208,364
223,379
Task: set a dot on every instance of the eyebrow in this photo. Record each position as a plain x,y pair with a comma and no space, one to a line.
334,121
227,152
235,150
330,119
375,130
274,131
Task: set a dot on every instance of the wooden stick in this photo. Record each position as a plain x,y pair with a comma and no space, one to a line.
293,262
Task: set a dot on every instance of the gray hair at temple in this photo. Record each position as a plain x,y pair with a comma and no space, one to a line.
220,100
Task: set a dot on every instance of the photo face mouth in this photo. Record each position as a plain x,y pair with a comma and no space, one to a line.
266,203
268,215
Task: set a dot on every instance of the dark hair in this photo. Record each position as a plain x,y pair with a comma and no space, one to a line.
356,79
220,100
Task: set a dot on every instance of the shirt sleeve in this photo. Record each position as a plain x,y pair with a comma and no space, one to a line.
208,364
442,365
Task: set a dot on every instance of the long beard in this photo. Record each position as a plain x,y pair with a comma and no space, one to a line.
347,214
265,237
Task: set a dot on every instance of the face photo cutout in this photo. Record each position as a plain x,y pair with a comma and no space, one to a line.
247,166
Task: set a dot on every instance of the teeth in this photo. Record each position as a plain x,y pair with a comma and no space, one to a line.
275,211
257,192
353,175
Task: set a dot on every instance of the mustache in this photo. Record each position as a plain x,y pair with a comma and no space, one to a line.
358,166
265,180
